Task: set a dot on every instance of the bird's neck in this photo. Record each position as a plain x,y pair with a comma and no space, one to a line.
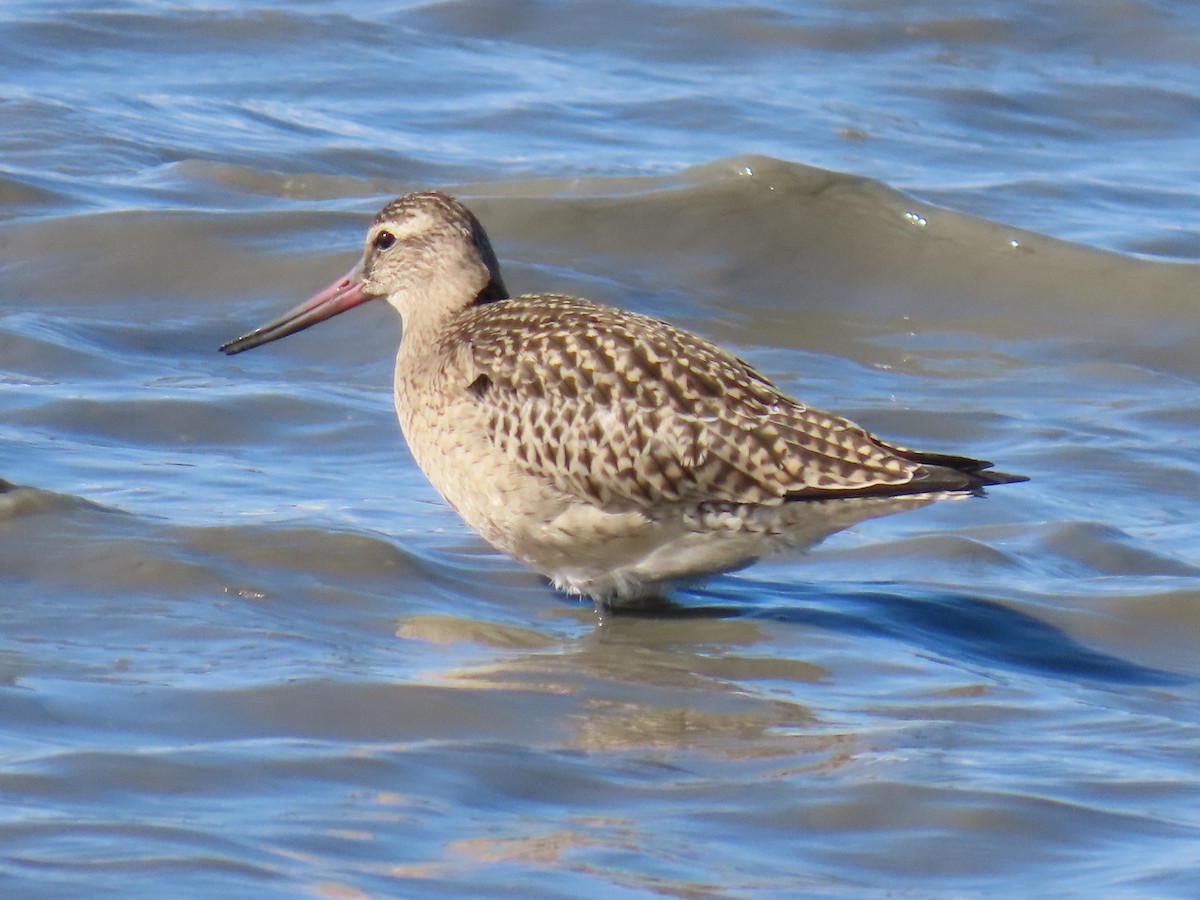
492,291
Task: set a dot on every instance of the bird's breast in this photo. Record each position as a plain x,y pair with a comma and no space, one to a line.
448,430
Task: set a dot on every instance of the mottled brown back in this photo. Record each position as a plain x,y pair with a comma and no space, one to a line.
630,413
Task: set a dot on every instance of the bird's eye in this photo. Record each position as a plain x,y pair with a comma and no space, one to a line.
384,239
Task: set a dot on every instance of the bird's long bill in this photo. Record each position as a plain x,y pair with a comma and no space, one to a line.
345,293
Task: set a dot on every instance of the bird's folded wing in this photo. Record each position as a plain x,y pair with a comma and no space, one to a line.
630,413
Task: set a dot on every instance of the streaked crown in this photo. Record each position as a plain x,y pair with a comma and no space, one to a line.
428,254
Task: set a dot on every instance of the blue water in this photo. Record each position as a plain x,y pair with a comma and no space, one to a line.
247,651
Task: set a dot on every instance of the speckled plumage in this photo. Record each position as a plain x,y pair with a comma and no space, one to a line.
610,451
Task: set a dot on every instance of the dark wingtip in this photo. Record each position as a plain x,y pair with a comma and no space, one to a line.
989,478
978,472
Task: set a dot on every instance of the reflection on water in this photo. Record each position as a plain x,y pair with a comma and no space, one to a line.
387,740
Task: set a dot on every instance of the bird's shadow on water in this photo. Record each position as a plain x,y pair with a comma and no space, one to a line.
950,625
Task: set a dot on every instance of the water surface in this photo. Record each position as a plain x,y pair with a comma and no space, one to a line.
247,651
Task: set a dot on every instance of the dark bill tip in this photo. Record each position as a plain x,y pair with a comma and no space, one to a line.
345,293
